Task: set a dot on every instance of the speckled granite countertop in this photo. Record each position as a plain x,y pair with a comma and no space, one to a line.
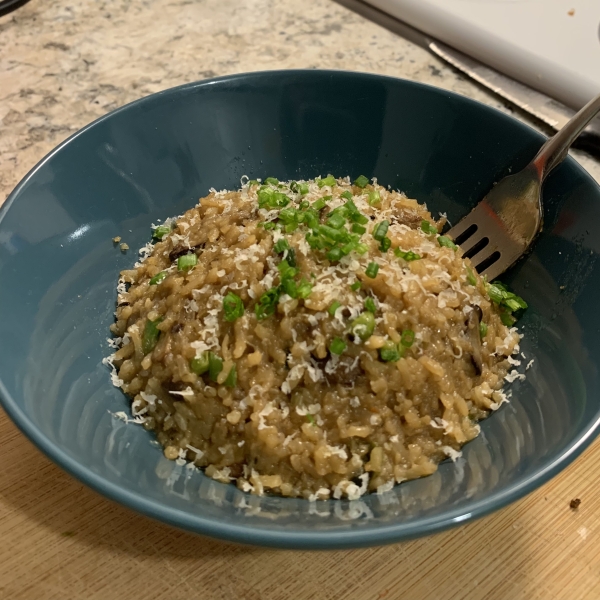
66,62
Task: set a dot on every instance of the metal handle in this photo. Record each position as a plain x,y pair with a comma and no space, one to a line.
554,151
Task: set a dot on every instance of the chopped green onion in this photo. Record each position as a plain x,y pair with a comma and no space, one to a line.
471,279
288,215
266,304
346,194
381,230
231,380
507,319
370,305
355,286
495,293
361,181
337,346
304,205
372,270
374,197
335,254
294,186
304,289
389,352
200,365
314,241
311,419
281,245
385,244
361,248
407,256
272,181
160,232
269,198
407,338
303,188
329,180
336,221
150,335
253,182
269,226
186,262
445,241
215,366
290,288
334,306
158,278
291,257
320,204
285,270
483,329
427,227
356,228
233,307
359,218
363,326
331,233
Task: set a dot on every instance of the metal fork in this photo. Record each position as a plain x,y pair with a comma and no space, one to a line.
504,224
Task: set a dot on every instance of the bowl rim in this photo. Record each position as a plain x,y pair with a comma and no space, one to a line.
295,539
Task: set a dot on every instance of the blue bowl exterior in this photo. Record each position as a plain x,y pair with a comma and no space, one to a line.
154,158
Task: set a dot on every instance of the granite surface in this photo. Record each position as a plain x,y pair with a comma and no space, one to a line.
65,63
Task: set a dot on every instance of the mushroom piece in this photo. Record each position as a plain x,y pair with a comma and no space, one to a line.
475,338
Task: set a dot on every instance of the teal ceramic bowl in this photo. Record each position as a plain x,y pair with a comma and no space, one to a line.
154,158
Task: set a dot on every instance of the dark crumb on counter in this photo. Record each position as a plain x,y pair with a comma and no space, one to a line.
574,504
116,239
124,247
571,12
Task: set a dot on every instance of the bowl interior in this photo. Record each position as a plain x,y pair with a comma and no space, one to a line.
155,158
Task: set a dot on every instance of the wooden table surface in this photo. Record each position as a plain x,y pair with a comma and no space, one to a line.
58,539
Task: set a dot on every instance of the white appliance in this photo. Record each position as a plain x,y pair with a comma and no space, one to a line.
550,45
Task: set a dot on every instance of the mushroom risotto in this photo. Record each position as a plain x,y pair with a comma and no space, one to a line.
317,338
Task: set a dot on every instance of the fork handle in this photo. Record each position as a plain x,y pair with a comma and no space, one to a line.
554,151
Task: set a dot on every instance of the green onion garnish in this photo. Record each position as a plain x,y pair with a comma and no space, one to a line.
281,245
200,365
272,181
363,326
329,180
427,227
290,288
361,248
335,254
407,338
374,197
304,289
356,228
303,188
370,305
253,182
186,262
445,241
320,204
311,419
361,181
346,194
407,256
158,278
372,270
215,366
231,380
334,306
381,230
355,286
507,319
336,221
471,279
389,352
337,346
233,307
483,329
150,335
269,226
385,244
266,304
160,232
286,270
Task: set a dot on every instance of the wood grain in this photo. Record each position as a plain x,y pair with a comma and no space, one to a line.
62,541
